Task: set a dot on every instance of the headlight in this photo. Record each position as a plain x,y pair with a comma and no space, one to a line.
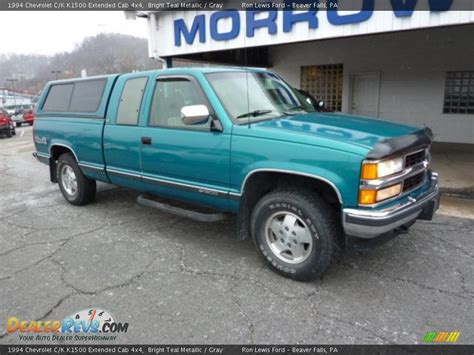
383,168
388,192
368,197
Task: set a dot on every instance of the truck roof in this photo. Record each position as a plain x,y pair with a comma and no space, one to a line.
66,97
215,69
78,79
170,70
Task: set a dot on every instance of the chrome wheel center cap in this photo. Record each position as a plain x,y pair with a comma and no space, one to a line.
288,237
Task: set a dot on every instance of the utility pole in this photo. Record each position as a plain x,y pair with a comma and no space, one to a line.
12,81
56,72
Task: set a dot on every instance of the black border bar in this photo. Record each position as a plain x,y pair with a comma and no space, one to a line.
59,349
402,6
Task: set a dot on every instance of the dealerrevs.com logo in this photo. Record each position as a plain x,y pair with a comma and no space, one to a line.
89,324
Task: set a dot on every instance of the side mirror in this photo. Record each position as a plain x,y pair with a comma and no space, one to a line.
194,114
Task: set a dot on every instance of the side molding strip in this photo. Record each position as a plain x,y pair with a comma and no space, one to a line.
94,168
44,155
122,174
167,183
187,187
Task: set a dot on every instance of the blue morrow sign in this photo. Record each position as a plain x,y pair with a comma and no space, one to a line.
401,8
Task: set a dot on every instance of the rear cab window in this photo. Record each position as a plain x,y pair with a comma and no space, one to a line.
130,101
58,98
87,97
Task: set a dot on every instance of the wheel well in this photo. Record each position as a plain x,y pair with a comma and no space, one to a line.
55,152
261,183
58,150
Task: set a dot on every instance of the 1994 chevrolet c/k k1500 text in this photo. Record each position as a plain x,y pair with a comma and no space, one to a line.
304,184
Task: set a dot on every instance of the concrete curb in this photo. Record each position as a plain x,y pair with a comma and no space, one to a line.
467,192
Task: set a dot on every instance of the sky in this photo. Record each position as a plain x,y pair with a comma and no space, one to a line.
50,32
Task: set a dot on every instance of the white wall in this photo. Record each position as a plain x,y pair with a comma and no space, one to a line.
161,31
412,67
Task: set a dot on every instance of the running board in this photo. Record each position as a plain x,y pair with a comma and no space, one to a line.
180,210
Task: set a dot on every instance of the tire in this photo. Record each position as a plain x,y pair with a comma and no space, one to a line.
75,187
8,133
13,132
309,246
30,123
18,124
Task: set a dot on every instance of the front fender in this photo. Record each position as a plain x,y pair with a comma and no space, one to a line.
339,169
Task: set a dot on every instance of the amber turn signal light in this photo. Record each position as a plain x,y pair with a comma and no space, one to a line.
369,171
367,197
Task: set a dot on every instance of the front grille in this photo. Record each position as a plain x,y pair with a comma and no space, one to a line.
415,158
413,181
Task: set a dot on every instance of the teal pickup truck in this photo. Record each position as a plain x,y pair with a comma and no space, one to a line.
304,184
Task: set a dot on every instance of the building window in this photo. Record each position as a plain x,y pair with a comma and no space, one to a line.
459,92
324,82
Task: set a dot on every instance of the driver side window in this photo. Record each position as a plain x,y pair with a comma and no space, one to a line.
172,94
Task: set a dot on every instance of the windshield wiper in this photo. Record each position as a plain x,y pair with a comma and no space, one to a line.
298,107
254,113
294,108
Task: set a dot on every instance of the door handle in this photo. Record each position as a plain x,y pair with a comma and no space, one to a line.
146,140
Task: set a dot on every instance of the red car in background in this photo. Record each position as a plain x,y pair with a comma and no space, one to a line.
29,117
6,124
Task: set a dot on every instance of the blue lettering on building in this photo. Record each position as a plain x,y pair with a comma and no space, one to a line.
290,18
180,29
403,8
235,21
361,16
267,20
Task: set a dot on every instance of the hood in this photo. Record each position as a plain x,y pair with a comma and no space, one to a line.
362,131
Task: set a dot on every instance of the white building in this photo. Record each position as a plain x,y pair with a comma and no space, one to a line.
412,67
10,99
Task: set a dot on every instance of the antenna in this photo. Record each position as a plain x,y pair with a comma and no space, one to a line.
247,79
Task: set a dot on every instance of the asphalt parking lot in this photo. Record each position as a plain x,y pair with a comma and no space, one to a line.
179,281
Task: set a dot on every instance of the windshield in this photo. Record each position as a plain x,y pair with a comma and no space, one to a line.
254,96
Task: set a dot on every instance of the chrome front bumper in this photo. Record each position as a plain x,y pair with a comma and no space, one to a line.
369,224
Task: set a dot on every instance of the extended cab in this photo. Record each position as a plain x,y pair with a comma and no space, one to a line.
304,184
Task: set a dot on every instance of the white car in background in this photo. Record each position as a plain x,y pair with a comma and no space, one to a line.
16,113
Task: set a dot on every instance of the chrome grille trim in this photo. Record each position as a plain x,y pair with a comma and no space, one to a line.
401,177
378,184
406,189
415,158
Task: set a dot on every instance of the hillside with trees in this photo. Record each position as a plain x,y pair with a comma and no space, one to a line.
102,54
